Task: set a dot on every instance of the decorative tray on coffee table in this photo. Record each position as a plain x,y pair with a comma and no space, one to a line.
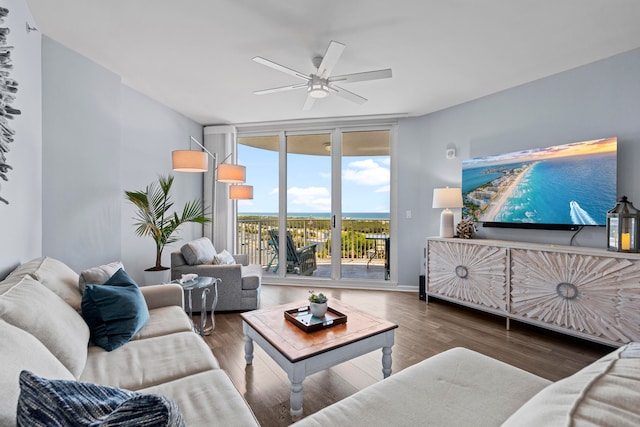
302,318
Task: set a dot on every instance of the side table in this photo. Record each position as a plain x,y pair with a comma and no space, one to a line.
204,283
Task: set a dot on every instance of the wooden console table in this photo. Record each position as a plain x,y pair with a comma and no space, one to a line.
586,292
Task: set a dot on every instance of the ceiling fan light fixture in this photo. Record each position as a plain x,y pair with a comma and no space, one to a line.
318,88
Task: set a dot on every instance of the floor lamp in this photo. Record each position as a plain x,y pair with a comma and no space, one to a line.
446,198
198,161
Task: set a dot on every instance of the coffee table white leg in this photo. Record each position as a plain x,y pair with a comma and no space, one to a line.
296,374
296,399
248,344
386,361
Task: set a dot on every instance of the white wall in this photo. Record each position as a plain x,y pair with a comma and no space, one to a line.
21,219
100,139
150,132
81,159
594,101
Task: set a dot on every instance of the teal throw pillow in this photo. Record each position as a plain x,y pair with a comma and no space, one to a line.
115,311
43,403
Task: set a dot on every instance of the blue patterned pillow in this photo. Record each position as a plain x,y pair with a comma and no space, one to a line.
47,403
115,311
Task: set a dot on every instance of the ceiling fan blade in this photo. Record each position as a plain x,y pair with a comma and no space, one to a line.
343,93
330,59
308,103
280,89
359,77
282,68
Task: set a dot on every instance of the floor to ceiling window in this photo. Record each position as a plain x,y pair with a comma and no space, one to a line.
331,191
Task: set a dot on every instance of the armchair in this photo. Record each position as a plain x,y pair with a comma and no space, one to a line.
239,288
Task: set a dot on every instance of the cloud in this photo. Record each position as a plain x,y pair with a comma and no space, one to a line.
309,199
367,172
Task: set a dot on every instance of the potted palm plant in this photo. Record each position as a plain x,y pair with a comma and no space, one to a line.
153,218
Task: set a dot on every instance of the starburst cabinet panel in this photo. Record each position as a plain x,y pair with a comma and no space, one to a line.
586,292
469,273
594,295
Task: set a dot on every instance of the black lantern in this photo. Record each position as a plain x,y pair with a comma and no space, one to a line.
622,227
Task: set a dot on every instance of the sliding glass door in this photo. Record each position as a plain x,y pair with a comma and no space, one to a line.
321,206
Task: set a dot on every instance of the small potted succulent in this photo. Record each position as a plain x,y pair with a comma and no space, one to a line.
318,304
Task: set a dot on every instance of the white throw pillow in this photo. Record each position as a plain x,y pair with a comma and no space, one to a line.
21,350
224,258
30,306
55,275
98,275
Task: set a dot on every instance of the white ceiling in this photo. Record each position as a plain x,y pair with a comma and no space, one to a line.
195,55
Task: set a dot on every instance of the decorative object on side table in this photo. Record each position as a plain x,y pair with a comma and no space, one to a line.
623,226
154,219
318,304
466,229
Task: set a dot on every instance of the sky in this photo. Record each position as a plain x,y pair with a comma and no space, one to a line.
365,182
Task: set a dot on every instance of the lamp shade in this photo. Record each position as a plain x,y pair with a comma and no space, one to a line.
189,161
233,174
447,198
241,192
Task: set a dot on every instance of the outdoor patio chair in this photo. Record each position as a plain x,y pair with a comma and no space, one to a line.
299,261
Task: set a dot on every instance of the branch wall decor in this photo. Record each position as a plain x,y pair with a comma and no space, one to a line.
8,89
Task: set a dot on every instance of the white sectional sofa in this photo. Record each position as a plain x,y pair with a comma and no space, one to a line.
42,331
460,387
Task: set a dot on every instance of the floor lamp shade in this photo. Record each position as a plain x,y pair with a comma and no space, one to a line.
445,198
189,161
241,192
233,174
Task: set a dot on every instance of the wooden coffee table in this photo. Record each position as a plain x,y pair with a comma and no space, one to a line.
301,354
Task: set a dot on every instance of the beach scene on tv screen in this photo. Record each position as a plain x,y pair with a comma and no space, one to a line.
564,184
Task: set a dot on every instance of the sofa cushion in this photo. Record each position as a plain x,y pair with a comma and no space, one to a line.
606,392
20,350
458,387
114,311
198,251
55,275
46,402
29,305
224,258
98,275
207,398
164,321
148,362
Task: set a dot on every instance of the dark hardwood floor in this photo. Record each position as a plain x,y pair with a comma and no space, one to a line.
424,330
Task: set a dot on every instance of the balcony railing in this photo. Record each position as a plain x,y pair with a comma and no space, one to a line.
362,239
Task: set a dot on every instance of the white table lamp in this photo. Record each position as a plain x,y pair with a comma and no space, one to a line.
445,198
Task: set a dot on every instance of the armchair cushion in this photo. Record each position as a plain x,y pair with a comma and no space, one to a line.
199,251
224,258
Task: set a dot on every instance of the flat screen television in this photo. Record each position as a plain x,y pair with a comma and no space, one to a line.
562,187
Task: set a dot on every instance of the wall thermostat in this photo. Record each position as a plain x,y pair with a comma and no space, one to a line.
451,153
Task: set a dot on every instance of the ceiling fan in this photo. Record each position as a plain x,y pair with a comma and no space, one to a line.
321,83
